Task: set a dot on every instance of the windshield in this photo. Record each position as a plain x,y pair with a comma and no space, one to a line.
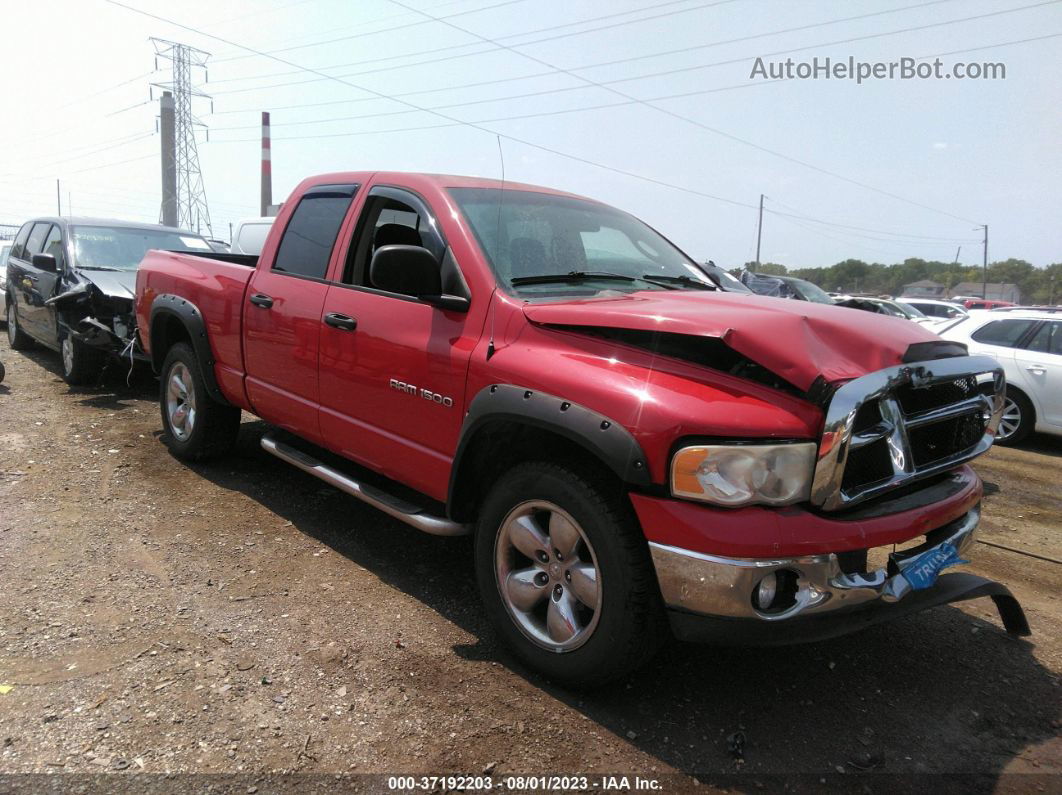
525,234
810,292
122,247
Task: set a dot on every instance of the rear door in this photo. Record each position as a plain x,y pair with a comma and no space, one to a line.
393,368
282,318
1039,367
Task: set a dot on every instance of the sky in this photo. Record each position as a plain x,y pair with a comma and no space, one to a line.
648,105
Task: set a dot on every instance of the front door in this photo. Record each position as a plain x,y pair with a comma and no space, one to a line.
393,368
48,286
282,314
31,309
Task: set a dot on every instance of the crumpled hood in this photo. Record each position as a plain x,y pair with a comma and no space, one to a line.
113,284
796,340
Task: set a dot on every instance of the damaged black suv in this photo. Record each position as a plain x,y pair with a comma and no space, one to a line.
70,287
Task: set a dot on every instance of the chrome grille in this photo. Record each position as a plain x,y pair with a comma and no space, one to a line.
904,423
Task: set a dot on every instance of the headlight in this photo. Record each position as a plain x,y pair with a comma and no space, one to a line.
733,475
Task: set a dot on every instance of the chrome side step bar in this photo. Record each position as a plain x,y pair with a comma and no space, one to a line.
406,512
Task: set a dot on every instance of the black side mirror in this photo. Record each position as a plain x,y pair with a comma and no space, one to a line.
45,262
407,270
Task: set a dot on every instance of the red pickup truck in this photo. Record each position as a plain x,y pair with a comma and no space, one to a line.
635,448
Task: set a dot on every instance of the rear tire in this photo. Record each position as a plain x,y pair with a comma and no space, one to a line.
81,364
582,618
1018,420
197,426
16,337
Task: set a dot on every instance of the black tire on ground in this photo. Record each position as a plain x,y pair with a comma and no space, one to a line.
1017,410
80,363
3,372
16,337
631,621
206,428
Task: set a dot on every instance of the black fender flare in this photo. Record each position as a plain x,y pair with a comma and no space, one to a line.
602,437
188,314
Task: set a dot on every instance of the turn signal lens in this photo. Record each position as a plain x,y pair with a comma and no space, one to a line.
735,475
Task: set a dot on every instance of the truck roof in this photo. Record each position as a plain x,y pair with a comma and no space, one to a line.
413,179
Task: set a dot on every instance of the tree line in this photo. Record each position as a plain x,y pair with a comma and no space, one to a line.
1038,285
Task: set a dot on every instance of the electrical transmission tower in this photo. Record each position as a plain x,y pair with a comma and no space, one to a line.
188,194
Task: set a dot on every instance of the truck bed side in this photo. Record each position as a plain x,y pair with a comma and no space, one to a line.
215,286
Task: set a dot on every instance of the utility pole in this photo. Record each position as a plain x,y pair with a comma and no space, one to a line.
759,233
984,265
267,167
957,252
190,193
58,200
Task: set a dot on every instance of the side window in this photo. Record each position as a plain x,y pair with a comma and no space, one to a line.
311,233
389,221
35,242
1004,333
54,245
18,250
1047,339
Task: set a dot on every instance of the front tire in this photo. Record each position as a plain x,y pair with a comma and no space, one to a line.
197,426
81,364
16,337
565,574
1018,420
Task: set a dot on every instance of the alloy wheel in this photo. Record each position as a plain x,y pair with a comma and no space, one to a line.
67,350
547,574
180,401
1010,420
12,324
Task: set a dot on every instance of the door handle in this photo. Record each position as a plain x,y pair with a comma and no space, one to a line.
1036,369
341,322
263,301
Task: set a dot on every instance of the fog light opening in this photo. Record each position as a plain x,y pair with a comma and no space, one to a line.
776,592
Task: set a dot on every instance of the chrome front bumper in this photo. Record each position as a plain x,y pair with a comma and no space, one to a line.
723,587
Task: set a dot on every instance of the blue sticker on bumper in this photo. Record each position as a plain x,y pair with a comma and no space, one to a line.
922,572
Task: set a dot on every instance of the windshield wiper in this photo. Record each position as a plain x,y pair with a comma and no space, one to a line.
686,281
99,268
579,276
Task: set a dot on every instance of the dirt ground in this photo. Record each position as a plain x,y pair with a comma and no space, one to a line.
243,618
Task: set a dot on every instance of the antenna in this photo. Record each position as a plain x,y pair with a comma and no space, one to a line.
497,237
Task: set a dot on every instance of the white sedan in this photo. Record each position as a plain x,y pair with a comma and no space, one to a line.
1028,344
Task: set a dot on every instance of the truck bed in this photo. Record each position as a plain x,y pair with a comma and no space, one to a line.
215,283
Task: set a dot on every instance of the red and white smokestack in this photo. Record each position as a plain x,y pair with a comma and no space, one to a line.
267,166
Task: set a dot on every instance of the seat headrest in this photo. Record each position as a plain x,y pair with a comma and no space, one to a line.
528,257
396,235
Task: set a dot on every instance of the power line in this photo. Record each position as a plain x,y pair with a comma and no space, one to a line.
299,106
523,96
546,29
514,139
456,121
368,33
708,128
450,106
663,73
481,52
592,65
